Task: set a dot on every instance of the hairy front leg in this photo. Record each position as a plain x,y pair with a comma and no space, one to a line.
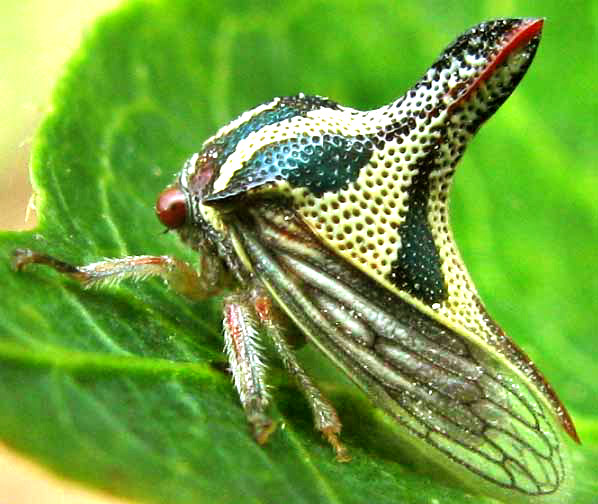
178,274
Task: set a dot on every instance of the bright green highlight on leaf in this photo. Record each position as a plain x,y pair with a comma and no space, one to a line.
124,388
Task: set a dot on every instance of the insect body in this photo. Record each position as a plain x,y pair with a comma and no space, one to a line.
336,220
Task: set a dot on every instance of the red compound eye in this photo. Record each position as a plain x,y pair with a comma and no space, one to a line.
171,207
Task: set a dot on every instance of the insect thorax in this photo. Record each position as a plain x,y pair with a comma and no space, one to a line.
373,186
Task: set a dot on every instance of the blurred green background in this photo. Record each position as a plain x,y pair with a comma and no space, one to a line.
37,37
525,203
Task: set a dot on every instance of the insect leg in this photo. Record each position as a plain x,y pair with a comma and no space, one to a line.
326,419
178,274
246,363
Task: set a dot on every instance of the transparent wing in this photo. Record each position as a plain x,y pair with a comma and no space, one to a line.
459,401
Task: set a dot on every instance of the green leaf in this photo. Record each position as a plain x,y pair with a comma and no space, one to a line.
122,388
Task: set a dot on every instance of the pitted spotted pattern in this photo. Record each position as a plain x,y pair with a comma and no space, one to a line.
320,163
374,185
363,221
271,113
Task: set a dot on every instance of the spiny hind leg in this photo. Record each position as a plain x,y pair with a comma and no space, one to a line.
178,274
247,363
326,419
